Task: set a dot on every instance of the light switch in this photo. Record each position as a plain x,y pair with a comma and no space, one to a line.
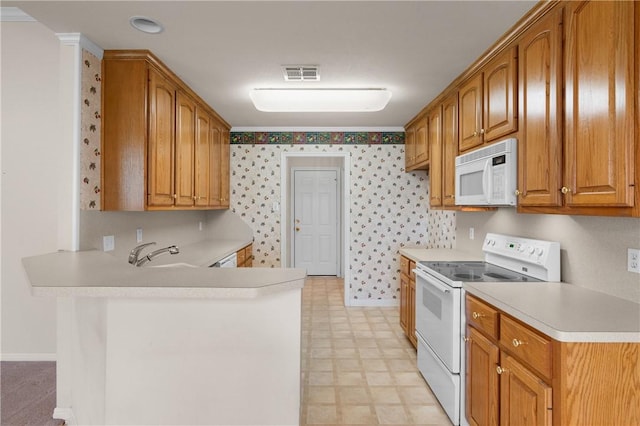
139,235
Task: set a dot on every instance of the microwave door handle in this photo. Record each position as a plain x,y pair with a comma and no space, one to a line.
486,180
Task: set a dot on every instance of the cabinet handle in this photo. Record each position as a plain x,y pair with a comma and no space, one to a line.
174,196
482,131
517,192
516,343
565,190
500,370
466,339
477,315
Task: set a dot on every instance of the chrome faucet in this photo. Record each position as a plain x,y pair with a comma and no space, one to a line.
135,253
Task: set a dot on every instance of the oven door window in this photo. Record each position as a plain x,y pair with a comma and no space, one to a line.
438,319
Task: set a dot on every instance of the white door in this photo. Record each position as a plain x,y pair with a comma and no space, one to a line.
315,221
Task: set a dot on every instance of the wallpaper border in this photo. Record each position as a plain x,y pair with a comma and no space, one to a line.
317,138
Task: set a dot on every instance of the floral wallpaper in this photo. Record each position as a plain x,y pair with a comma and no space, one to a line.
90,132
389,209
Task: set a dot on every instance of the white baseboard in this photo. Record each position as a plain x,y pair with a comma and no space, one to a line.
381,303
28,357
65,414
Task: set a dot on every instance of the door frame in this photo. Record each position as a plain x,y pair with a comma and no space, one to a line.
339,190
286,211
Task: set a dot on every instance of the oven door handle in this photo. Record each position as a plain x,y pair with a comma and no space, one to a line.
430,281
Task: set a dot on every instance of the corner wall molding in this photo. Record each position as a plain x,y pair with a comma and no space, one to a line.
77,39
15,14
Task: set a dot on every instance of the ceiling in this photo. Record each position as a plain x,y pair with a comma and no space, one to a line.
222,49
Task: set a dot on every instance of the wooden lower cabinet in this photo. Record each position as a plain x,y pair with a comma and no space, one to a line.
408,299
245,257
523,377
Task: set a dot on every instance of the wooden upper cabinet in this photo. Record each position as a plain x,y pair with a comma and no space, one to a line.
202,158
600,112
161,157
540,104
487,102
435,148
416,145
215,171
449,149
409,147
225,167
422,143
500,77
156,146
470,115
185,150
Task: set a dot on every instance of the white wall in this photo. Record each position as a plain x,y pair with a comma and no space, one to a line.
593,249
31,146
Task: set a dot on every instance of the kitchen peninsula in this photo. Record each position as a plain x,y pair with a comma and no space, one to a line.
173,344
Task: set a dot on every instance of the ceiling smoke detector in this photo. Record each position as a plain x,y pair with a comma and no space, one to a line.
301,72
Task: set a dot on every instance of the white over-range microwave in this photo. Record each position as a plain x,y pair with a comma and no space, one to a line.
488,176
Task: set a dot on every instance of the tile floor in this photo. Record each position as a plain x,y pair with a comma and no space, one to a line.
357,365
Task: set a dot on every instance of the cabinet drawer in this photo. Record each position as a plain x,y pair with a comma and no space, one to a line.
404,265
482,316
531,347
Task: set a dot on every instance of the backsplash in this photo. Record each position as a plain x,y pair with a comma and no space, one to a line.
389,210
91,90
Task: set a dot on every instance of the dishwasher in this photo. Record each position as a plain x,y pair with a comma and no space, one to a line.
230,261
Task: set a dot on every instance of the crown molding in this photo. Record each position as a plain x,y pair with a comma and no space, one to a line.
77,39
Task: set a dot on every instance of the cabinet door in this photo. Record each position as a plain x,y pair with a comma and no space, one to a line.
409,148
161,154
215,197
540,142
481,380
449,149
422,143
203,147
225,160
435,157
525,400
599,109
470,104
185,147
499,94
404,303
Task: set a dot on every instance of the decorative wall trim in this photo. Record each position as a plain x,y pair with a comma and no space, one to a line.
82,41
242,129
14,14
317,138
28,356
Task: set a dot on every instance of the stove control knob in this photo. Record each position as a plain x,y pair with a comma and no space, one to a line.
492,242
521,248
531,250
539,251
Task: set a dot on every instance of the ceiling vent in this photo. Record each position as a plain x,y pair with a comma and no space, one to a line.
301,72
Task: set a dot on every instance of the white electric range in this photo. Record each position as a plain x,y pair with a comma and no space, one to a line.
440,314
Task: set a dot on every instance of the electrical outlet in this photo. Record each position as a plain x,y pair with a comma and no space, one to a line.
139,235
472,233
108,243
633,260
199,226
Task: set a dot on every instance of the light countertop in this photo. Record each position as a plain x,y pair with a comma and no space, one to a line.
564,312
99,274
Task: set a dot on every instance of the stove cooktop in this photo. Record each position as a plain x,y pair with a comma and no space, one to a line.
479,271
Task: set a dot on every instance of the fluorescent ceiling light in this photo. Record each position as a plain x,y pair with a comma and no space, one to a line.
320,100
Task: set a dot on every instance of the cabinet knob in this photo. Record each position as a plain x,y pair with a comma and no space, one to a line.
477,315
475,134
466,339
174,196
500,370
297,229
516,343
517,192
565,190
450,196
482,131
